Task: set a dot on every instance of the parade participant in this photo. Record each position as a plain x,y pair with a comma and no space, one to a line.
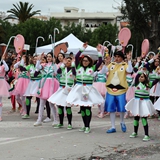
47,86
116,88
155,90
60,59
13,75
4,86
22,82
140,105
130,80
33,85
83,94
99,84
43,60
67,72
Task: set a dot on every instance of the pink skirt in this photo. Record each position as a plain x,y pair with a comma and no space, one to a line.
101,88
50,86
130,93
21,86
4,88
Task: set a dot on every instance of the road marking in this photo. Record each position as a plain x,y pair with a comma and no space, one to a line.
53,134
7,139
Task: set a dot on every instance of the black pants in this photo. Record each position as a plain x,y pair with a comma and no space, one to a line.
86,115
61,114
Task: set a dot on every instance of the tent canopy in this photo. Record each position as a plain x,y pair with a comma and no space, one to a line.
74,44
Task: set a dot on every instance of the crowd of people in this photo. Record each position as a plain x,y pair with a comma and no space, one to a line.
113,84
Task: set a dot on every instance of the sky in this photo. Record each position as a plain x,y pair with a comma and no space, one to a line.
48,6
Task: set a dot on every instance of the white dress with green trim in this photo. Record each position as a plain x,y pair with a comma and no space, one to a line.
66,82
141,105
33,85
155,90
157,104
83,93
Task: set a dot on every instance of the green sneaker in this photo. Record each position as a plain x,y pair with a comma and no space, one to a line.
87,130
82,129
133,135
26,116
159,118
146,138
69,127
58,126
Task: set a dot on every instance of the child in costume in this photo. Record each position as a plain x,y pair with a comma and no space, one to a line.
130,80
155,90
67,72
83,94
141,106
47,86
157,103
32,87
13,76
22,82
99,84
4,86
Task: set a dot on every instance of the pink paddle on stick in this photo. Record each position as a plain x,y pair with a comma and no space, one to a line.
124,36
19,43
144,48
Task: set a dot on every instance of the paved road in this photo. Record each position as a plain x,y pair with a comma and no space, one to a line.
20,140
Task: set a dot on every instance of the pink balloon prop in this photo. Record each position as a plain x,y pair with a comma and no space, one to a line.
124,36
19,43
144,47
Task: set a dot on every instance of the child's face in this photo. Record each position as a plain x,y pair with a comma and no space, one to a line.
60,57
141,78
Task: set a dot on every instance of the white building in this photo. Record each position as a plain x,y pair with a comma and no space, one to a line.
3,15
90,20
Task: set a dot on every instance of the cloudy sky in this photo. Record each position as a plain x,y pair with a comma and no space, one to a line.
47,6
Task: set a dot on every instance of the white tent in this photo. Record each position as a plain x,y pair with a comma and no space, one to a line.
74,44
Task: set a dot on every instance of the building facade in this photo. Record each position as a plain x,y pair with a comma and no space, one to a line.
90,20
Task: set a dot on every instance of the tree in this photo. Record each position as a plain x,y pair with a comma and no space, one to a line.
5,31
22,12
78,30
33,28
104,33
143,16
2,34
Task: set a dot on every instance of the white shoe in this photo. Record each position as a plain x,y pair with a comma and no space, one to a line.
47,120
37,123
54,123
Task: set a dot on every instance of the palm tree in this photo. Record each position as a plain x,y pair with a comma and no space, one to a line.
22,12
2,34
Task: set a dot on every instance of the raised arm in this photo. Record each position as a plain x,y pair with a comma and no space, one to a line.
100,53
129,69
6,68
79,53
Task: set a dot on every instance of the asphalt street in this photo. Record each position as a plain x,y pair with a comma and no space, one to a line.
20,140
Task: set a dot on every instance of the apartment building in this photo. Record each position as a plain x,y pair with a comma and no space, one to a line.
90,20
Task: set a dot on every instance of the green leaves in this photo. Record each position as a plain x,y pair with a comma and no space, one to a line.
22,12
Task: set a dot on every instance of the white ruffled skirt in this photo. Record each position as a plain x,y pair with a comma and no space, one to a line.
59,97
142,108
157,104
84,95
155,90
32,88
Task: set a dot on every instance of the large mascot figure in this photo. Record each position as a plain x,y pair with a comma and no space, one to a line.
117,86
